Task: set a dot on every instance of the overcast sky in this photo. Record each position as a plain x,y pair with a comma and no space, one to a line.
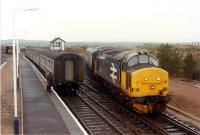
104,20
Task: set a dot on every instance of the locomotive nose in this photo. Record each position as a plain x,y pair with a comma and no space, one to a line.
151,76
150,82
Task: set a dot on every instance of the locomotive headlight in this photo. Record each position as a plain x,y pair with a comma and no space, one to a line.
158,79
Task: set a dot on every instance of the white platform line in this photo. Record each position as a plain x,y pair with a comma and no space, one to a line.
64,105
21,100
196,85
77,122
2,65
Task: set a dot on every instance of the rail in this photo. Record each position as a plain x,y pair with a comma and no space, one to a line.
163,123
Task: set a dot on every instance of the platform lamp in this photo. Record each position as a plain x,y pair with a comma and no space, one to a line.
15,72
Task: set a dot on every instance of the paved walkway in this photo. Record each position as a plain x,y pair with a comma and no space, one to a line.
39,113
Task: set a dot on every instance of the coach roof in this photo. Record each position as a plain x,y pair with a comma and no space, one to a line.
52,54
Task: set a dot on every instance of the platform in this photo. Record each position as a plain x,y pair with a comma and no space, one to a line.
42,113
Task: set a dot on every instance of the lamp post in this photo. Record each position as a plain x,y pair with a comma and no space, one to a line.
15,72
18,51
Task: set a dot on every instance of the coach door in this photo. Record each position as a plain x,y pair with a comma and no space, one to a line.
69,72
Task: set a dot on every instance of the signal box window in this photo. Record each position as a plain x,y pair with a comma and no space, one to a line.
57,44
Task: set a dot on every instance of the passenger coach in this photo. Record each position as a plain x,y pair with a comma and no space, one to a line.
67,68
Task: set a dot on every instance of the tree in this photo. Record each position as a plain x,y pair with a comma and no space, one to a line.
176,62
164,56
170,59
189,68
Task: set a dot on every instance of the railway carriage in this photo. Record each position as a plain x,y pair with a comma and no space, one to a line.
134,77
67,68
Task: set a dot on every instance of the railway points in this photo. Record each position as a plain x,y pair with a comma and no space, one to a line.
40,116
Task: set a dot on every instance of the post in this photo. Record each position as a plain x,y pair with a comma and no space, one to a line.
16,121
17,48
15,72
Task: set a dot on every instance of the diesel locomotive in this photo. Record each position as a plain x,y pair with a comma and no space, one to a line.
67,68
135,78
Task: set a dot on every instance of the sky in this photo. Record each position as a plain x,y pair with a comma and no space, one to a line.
102,20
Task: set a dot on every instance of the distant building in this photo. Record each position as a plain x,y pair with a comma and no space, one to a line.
57,44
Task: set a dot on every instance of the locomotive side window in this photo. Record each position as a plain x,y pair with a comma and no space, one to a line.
143,59
153,61
133,61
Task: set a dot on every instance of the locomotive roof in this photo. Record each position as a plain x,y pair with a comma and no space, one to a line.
117,54
52,54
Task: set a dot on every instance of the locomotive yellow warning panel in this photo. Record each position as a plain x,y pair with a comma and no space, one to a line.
149,82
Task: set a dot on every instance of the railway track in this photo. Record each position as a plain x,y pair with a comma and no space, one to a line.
171,125
176,110
94,118
161,124
97,119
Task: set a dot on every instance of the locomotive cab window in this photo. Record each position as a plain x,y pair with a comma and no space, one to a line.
143,59
133,61
153,61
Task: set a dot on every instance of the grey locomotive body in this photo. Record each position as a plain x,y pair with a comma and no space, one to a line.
67,68
103,64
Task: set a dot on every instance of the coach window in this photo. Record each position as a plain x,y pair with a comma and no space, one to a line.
97,62
49,63
43,61
52,65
